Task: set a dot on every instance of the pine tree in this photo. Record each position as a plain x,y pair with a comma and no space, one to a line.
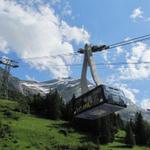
36,104
140,131
130,138
55,103
70,109
120,123
106,134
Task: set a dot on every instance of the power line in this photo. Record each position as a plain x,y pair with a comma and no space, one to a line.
114,67
133,39
115,45
95,48
124,63
105,64
130,42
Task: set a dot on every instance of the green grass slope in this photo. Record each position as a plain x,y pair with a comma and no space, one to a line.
32,133
118,144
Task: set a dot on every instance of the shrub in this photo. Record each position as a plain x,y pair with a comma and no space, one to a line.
5,130
12,115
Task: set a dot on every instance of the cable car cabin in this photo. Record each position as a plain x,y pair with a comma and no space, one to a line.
100,101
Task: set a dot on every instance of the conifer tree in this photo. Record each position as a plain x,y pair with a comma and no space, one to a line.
130,138
70,108
140,131
55,103
120,123
105,131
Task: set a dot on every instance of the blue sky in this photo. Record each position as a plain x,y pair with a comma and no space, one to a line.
50,28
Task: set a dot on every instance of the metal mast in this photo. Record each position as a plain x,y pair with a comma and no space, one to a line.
8,63
89,62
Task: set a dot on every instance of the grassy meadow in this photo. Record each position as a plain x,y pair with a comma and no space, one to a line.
31,133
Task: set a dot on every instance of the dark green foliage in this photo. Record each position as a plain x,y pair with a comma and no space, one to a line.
15,95
5,130
50,106
37,104
148,142
140,130
147,128
23,106
54,105
106,130
119,122
68,112
130,138
11,115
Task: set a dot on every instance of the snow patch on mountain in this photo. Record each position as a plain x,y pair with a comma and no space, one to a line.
38,87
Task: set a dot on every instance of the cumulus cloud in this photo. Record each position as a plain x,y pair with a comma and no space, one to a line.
140,52
119,50
130,93
145,104
73,33
3,45
136,14
139,14
38,32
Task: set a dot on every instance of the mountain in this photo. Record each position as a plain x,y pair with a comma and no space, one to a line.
130,111
66,87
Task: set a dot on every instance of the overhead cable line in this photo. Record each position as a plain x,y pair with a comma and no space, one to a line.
106,64
114,67
103,47
133,39
129,42
115,45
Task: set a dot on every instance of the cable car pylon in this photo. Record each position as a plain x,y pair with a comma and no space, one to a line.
101,100
8,64
88,62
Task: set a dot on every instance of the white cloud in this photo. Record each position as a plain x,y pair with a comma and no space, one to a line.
136,14
111,79
74,33
139,14
130,93
140,52
3,45
67,11
105,55
119,50
35,33
145,104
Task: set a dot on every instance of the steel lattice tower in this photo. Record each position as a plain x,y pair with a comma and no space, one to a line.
8,63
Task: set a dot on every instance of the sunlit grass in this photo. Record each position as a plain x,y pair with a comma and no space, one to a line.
30,132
